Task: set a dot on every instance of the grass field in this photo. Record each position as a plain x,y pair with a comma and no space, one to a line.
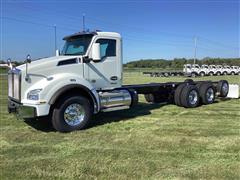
146,142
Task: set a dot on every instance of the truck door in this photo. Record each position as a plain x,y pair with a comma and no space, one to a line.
106,73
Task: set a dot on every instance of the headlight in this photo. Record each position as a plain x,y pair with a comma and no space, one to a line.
34,94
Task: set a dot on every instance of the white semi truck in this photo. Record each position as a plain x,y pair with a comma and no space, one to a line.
86,78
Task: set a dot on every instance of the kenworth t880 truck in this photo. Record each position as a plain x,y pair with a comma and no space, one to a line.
86,78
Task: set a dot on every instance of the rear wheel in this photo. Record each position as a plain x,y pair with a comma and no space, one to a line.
218,73
232,73
189,96
177,94
190,81
206,93
211,74
223,88
72,113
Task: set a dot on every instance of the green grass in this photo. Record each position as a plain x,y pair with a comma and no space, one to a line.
146,142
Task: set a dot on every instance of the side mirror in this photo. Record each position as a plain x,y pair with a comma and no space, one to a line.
96,55
28,59
8,61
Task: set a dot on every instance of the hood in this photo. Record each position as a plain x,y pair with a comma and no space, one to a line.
50,61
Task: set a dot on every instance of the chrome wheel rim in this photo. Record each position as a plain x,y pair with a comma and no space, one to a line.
193,97
225,88
210,94
74,114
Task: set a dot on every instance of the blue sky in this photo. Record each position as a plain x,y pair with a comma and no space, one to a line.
150,29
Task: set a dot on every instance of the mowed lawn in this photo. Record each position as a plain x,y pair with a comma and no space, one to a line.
147,142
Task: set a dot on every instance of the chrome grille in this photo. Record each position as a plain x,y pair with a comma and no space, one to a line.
14,84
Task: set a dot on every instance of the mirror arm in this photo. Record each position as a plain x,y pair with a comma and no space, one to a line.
86,59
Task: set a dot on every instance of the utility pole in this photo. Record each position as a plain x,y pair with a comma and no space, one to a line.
195,49
83,21
55,36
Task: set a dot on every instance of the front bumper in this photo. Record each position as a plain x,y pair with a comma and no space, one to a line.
21,110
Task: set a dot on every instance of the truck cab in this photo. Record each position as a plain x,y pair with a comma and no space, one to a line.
187,68
226,70
235,70
90,61
191,69
219,70
204,70
212,70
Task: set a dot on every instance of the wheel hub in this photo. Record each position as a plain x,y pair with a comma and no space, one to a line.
74,114
210,94
193,97
225,87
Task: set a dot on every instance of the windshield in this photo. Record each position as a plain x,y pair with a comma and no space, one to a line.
76,45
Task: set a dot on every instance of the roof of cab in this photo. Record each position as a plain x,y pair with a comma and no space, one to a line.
108,34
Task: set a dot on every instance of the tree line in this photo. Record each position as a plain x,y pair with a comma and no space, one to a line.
178,63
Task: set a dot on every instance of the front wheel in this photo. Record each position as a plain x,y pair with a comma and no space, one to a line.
202,74
72,113
211,74
223,88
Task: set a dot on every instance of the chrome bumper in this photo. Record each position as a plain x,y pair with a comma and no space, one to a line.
20,110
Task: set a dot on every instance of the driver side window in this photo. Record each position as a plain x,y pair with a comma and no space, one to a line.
107,47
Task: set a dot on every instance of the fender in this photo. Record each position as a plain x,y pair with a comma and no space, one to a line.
66,88
61,83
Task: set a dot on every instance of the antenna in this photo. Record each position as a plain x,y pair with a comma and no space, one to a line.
83,21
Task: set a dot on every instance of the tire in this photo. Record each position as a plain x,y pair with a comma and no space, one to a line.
193,74
190,81
134,96
61,123
187,100
225,73
177,94
153,98
218,73
211,74
223,88
206,93
232,73
202,74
